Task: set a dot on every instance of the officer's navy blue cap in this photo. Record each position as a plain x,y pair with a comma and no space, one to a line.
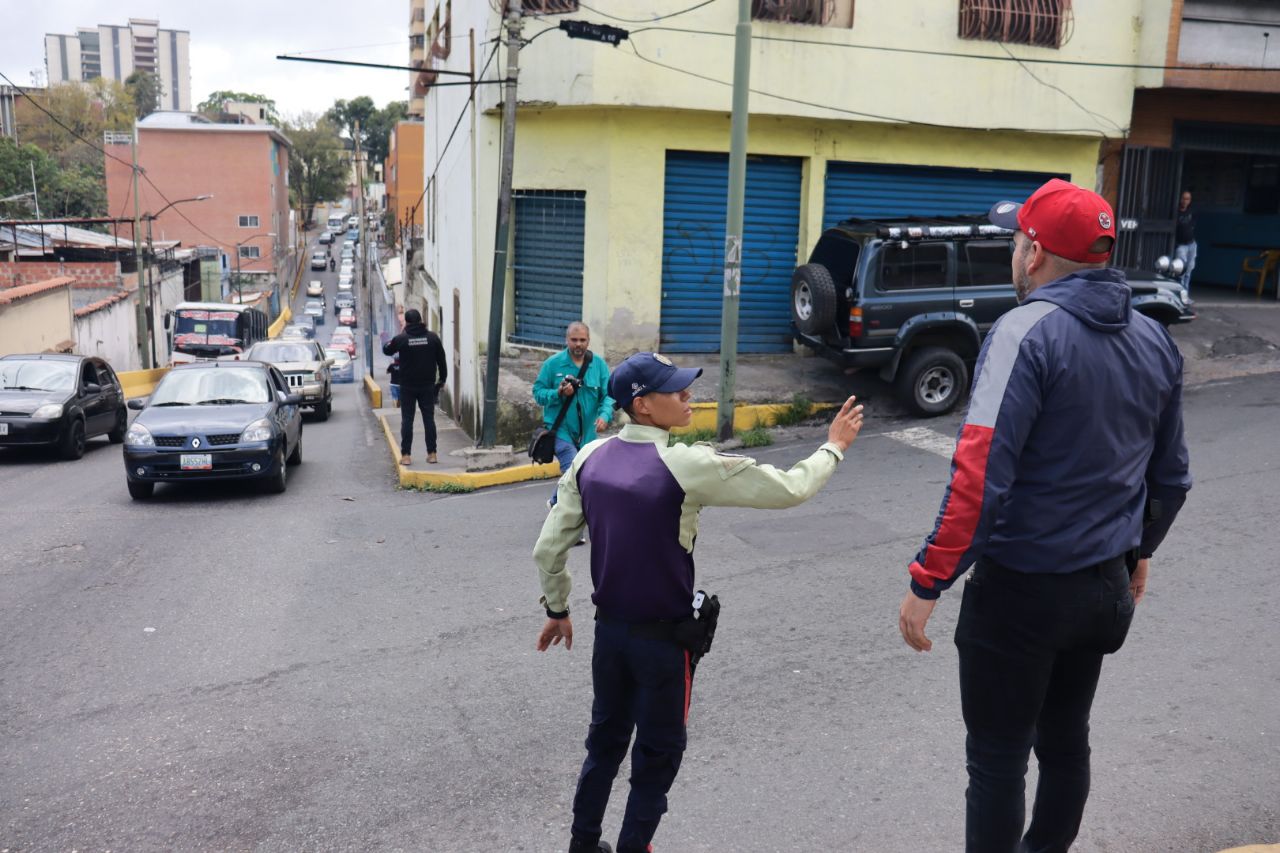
648,373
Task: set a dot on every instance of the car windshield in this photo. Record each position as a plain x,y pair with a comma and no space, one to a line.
212,386
37,375
340,356
282,352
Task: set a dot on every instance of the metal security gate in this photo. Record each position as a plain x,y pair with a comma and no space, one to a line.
547,262
693,252
1147,213
877,191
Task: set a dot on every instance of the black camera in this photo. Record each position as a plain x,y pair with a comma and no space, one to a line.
574,382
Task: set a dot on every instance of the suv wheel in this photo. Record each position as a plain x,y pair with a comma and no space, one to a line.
813,299
932,381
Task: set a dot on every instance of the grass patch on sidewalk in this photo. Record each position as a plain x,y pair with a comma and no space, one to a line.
442,488
797,411
757,436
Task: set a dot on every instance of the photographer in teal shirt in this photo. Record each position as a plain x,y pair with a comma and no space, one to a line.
590,406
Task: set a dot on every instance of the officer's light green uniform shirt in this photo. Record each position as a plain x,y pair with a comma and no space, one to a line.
706,478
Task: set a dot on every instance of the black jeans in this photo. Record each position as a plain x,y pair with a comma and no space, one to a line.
422,397
643,685
1031,648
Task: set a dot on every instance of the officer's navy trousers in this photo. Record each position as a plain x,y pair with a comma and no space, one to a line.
1030,649
640,684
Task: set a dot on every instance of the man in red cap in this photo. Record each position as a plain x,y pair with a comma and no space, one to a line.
1068,471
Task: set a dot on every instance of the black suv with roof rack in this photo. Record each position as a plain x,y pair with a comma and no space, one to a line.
913,298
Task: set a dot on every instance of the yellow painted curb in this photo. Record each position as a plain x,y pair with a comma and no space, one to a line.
1254,848
467,479
744,417
280,322
373,391
140,383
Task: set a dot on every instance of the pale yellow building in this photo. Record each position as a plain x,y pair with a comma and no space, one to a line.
917,107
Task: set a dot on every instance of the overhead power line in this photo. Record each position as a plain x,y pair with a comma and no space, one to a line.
645,20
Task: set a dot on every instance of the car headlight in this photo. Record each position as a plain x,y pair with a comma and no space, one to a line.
49,410
1162,263
1184,295
139,436
259,430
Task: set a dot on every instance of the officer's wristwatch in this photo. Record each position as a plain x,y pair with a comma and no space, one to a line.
557,614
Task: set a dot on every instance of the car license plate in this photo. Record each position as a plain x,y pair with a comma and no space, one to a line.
197,461
4,429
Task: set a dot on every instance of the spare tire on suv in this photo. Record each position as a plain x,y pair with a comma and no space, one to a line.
813,299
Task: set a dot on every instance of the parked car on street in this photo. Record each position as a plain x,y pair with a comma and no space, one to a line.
353,222
344,283
319,260
315,287
303,329
347,317
343,300
306,369
59,401
913,299
344,366
214,420
314,310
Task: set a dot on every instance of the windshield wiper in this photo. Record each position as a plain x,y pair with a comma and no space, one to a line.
171,403
221,401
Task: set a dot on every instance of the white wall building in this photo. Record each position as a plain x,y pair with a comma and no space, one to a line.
115,52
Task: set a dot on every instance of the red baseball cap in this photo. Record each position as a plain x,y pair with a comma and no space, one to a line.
1064,218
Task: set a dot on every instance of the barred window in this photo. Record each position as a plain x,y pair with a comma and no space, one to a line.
822,13
1041,23
548,7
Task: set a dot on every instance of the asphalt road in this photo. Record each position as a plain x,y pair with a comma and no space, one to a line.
351,667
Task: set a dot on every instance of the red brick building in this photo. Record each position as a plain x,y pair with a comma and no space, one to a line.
244,167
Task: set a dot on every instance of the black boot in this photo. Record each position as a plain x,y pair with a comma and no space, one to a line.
578,846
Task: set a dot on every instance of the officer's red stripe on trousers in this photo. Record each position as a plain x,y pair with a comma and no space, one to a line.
688,686
964,507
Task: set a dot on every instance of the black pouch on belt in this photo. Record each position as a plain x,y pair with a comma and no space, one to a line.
697,632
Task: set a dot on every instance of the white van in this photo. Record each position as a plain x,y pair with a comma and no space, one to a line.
335,223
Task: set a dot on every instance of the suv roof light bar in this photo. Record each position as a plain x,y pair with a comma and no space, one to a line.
926,232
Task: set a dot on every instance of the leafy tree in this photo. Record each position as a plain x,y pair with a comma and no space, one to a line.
78,190
377,139
212,105
146,90
317,162
345,114
115,101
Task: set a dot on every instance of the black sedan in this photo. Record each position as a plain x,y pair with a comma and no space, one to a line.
214,420
59,401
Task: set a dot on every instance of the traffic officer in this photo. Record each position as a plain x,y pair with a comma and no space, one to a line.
640,499
1069,468
423,371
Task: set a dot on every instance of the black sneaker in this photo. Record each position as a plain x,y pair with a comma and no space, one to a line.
576,846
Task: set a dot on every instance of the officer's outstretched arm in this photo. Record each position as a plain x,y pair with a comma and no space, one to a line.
560,532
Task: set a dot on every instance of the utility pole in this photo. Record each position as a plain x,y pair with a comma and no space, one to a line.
363,246
502,235
733,222
144,328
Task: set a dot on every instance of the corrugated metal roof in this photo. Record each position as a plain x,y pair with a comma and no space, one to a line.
49,237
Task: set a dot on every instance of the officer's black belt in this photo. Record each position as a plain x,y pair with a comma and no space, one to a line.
654,629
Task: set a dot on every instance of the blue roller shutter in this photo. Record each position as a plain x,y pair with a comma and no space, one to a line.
876,191
693,252
547,263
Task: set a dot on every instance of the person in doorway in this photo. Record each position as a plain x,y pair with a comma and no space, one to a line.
423,372
1069,470
590,408
1184,238
641,497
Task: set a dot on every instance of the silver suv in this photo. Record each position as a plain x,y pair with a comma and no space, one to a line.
305,367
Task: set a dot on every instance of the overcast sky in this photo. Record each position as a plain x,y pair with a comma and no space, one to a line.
234,43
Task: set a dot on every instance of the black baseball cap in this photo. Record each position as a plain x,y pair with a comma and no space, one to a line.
648,373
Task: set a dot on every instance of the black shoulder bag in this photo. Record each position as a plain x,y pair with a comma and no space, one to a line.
542,446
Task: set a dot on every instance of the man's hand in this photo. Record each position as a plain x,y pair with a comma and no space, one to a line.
554,631
1138,580
601,425
566,388
844,429
913,615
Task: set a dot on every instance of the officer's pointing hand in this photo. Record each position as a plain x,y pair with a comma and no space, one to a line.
913,615
844,429
554,631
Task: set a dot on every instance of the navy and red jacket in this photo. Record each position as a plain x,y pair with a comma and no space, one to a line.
1074,421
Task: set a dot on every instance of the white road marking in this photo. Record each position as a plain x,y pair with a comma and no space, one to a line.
924,438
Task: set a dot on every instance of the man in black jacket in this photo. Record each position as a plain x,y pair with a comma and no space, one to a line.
423,371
